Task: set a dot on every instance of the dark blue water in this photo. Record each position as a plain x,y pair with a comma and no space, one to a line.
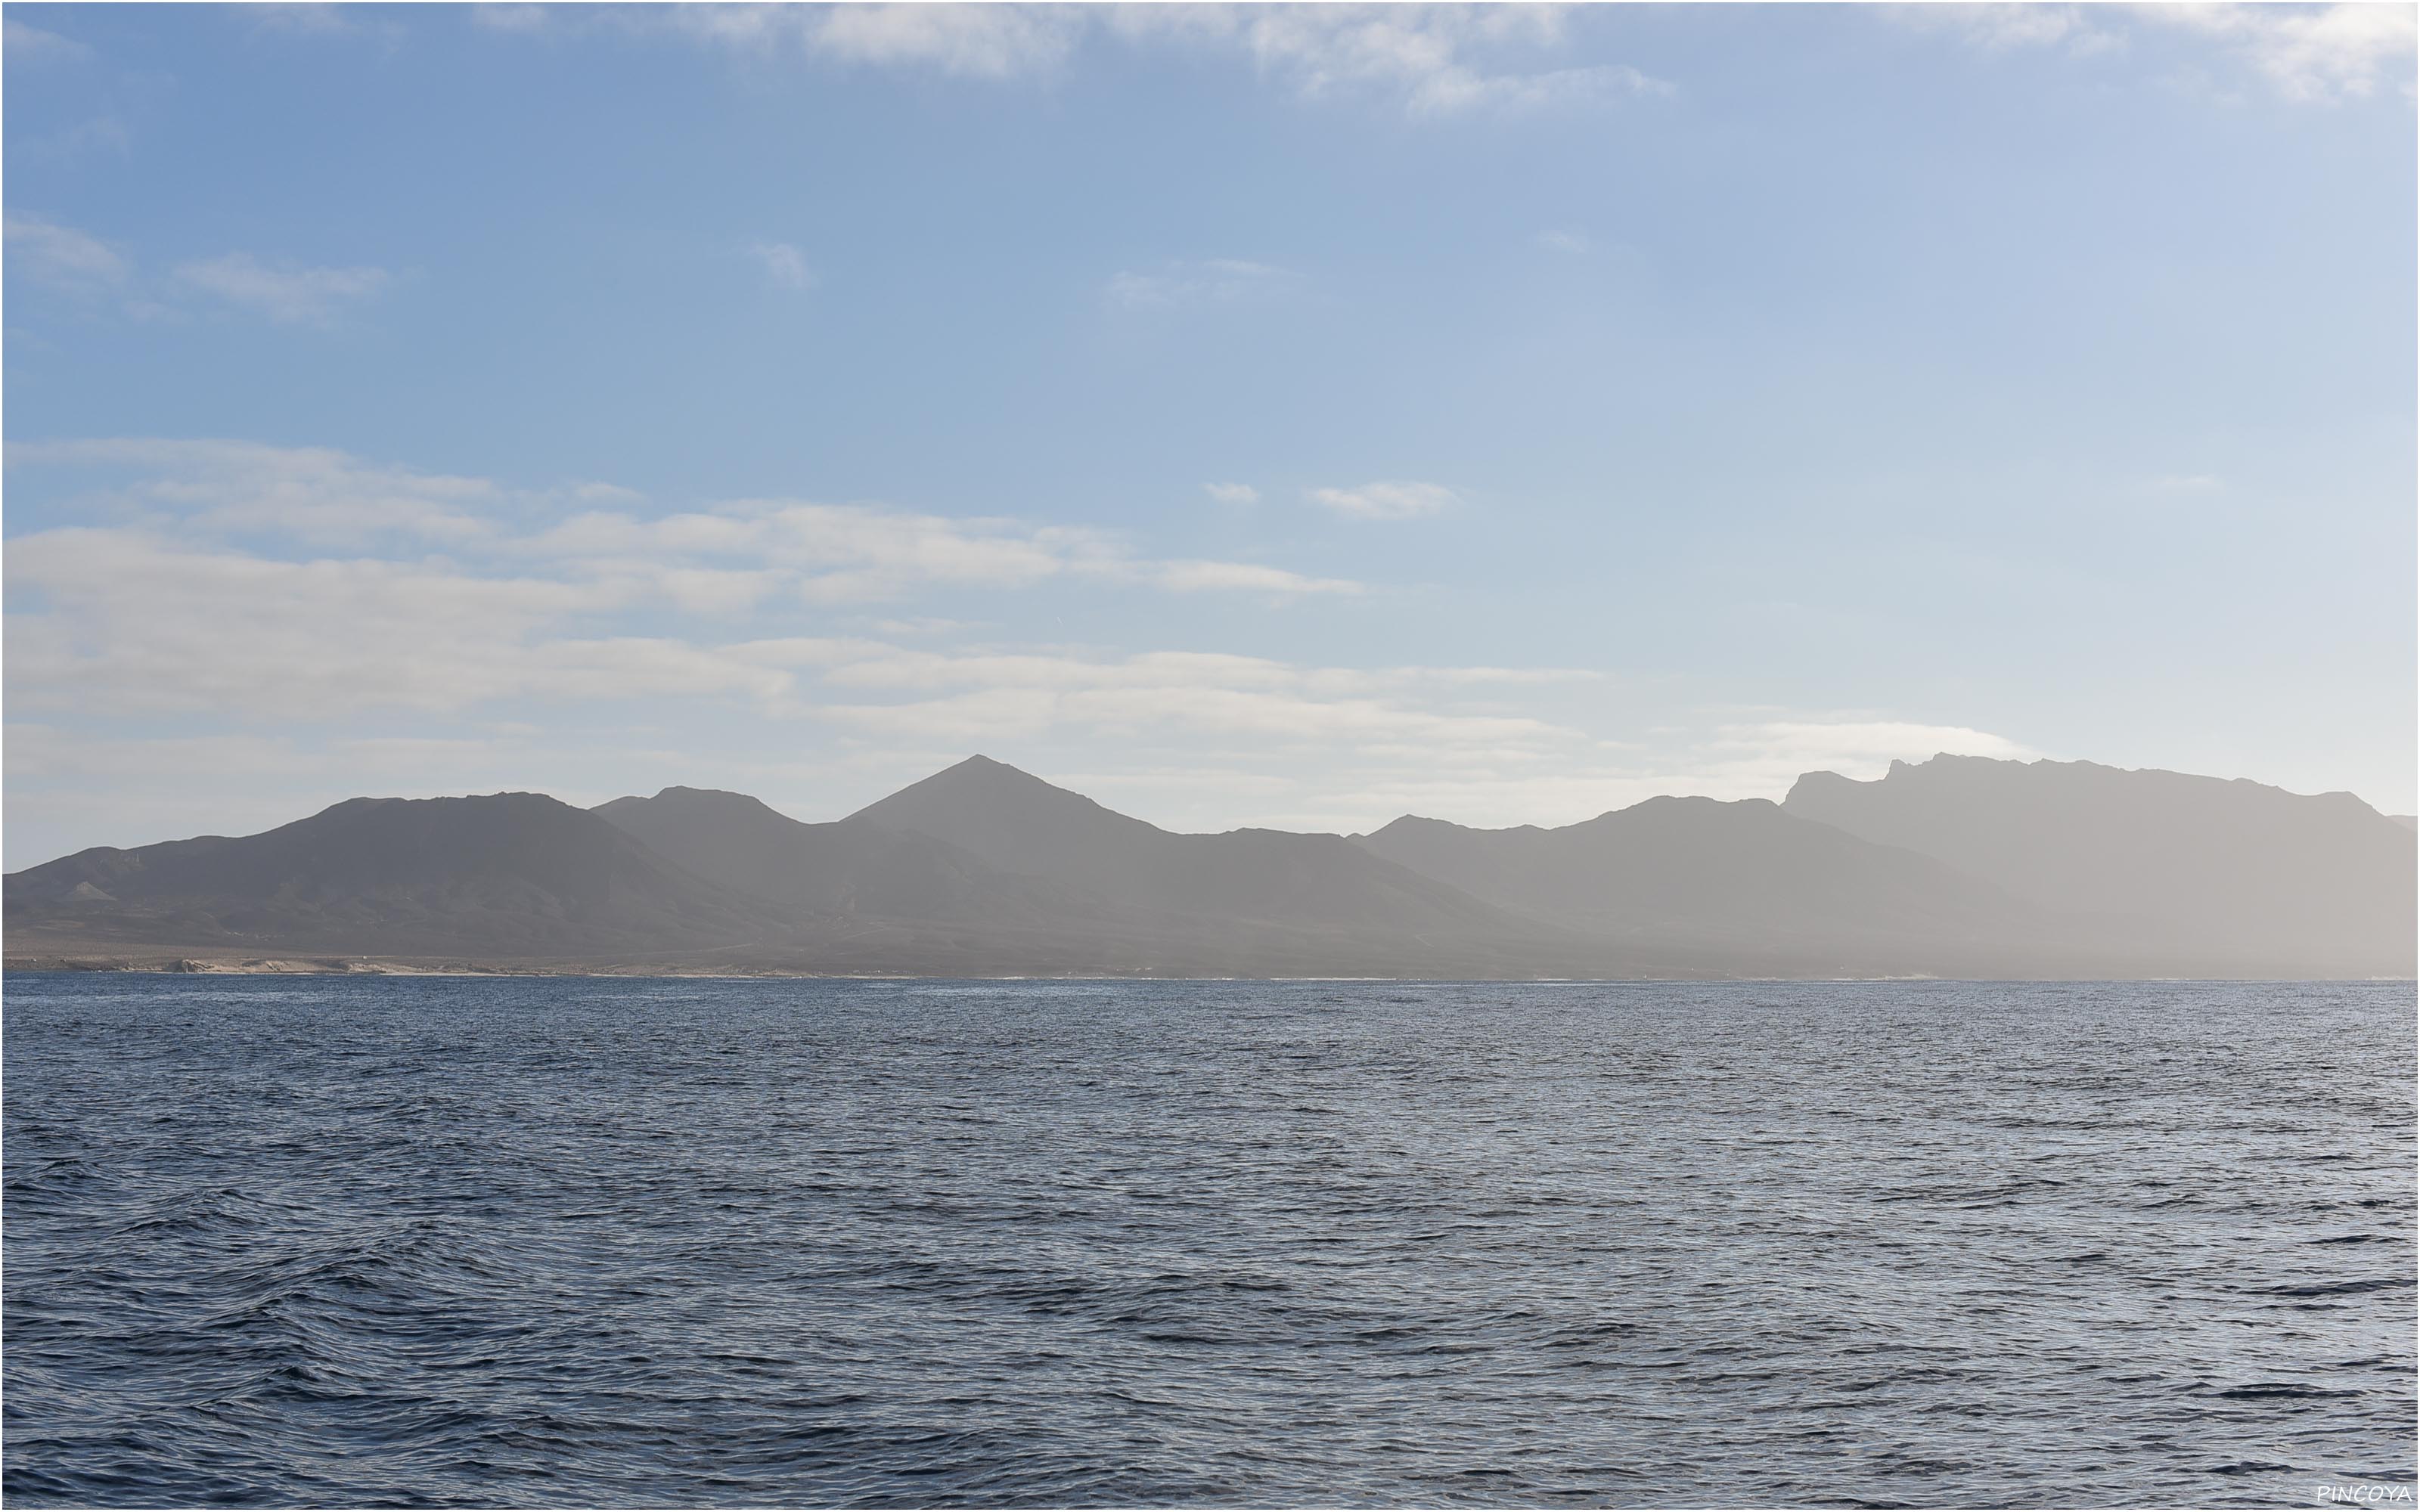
605,1241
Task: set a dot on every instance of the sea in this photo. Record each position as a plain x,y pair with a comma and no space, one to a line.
604,1242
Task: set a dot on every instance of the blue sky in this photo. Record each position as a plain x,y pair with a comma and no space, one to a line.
1265,416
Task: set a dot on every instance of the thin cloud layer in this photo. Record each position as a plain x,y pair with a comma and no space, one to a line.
290,582
2308,54
31,44
730,555
1387,500
66,261
458,603
166,614
1212,281
288,293
1425,60
970,41
1434,59
309,589
63,257
127,622
785,266
307,495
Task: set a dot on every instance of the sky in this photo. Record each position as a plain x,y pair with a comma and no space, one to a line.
1261,416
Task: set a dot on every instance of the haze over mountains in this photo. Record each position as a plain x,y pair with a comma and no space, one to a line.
1956,867
2209,869
1738,882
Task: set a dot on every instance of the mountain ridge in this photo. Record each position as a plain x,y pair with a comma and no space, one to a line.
2226,871
1018,822
507,872
981,869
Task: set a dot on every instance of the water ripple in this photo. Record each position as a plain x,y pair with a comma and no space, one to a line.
427,1241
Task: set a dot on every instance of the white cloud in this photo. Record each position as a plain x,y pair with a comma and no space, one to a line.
125,623
64,257
835,553
2306,52
1562,241
991,41
286,292
1232,493
79,263
1210,280
1556,88
510,17
304,494
1427,60
1763,757
2004,27
204,496
718,591
985,41
37,750
2309,52
1196,577
1387,501
1183,695
306,18
1498,674
238,593
250,654
119,621
845,553
299,16
31,44
1432,59
918,625
41,751
785,264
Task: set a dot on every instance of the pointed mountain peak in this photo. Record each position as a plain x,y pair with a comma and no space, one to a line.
982,769
981,780
1009,818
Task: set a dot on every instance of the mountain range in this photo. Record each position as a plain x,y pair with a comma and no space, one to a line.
1955,866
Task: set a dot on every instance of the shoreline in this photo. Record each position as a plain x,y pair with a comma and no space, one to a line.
301,966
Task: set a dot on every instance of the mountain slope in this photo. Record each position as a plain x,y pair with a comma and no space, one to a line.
1120,896
1020,824
510,874
1959,867
850,868
1741,881
2232,877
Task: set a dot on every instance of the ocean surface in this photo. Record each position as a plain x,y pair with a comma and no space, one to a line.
611,1242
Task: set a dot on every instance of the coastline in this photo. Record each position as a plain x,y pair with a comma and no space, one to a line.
175,964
